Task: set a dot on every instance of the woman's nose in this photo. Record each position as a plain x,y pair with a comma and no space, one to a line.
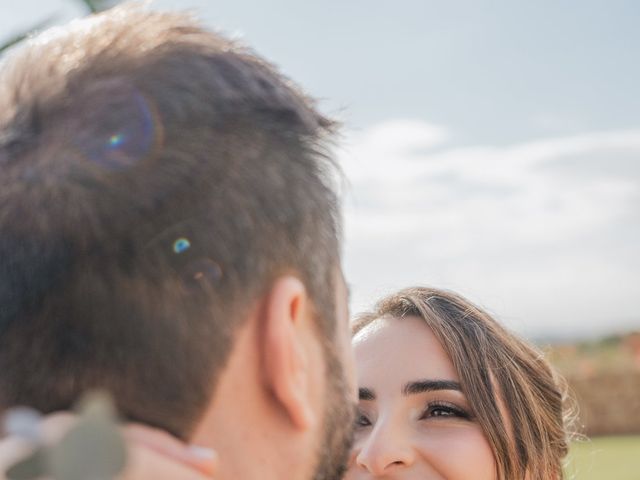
385,450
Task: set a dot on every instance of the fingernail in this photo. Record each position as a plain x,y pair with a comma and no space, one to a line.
203,452
207,458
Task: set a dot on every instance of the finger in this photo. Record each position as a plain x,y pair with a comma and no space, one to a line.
201,459
55,425
153,453
145,464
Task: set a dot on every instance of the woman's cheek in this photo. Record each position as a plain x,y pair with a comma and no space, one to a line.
457,452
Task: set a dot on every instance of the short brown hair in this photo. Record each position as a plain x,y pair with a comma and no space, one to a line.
154,178
493,363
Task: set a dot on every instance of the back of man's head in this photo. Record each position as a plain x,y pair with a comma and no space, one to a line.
154,178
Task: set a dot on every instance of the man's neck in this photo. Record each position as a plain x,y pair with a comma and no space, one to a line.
253,438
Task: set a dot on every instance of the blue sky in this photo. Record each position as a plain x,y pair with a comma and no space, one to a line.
492,147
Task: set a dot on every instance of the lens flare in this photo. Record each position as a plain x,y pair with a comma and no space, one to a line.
116,140
201,273
127,130
181,245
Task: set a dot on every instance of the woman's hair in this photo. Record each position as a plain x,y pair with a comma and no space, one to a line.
518,399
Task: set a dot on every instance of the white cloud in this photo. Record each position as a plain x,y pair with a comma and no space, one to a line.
504,224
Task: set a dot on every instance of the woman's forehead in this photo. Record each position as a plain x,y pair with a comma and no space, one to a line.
399,350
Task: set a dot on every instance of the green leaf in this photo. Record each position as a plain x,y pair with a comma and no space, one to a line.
95,6
90,5
30,468
94,448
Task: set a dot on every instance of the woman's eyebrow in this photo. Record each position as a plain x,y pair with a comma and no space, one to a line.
366,394
421,386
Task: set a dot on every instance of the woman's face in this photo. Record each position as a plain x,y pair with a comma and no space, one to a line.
413,421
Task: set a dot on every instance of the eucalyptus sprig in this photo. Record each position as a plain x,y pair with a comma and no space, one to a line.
94,449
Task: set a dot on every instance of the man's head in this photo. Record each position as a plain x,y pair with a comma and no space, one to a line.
158,187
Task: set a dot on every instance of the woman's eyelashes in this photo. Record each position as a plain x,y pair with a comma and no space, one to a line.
441,410
434,410
362,420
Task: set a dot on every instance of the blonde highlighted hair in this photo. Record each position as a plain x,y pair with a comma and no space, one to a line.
517,397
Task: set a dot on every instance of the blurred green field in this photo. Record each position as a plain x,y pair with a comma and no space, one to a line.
605,458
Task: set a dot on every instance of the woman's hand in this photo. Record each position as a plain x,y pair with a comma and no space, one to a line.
152,454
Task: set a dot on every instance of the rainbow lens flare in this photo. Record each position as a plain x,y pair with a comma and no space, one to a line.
181,245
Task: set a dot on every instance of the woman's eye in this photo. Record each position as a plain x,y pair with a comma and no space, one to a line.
362,421
444,411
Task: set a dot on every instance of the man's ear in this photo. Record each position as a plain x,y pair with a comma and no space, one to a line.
286,361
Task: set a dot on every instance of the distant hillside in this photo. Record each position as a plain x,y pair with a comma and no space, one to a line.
615,353
604,378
